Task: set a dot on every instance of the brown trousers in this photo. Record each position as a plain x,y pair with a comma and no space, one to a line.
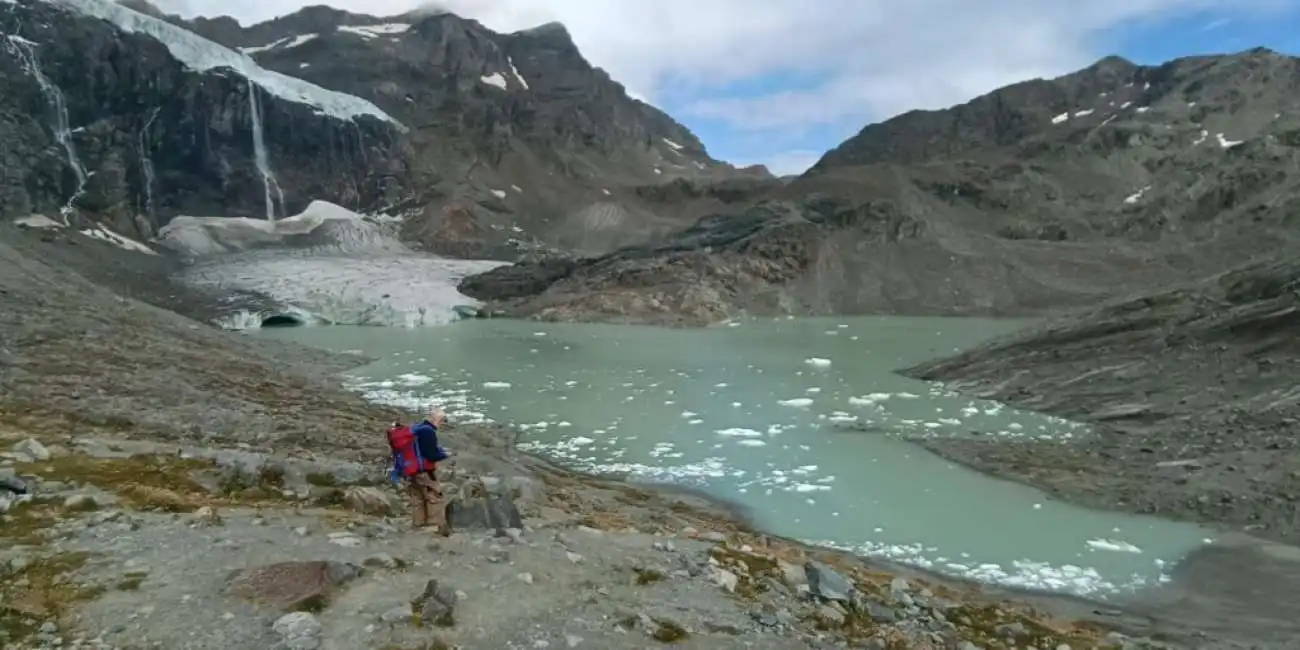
426,502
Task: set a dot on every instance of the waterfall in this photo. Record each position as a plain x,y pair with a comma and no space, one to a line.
146,162
23,50
269,183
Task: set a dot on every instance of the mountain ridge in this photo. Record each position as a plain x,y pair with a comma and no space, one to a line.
477,151
1044,195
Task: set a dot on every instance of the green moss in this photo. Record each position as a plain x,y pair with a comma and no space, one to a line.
131,581
647,576
26,523
154,482
321,479
41,591
667,631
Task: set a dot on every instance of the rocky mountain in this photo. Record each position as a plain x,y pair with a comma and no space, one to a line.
1044,194
491,144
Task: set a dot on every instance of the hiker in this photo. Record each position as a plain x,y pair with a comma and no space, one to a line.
416,454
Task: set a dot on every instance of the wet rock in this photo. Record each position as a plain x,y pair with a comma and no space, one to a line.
370,501
491,512
31,450
827,584
292,586
436,605
298,630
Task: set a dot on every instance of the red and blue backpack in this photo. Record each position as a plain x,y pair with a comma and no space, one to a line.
407,459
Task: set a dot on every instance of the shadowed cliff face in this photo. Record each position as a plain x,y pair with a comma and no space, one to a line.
154,138
517,133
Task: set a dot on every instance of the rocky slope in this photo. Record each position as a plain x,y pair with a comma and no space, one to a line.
1041,195
131,436
1192,390
492,144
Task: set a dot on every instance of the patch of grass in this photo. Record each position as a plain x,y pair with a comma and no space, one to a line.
647,576
750,569
41,591
131,581
667,631
985,623
147,482
25,523
321,479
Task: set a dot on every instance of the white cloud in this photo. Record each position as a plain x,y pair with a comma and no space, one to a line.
870,58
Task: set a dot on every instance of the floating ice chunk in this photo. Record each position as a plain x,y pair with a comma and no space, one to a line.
496,384
798,402
739,432
818,362
1113,545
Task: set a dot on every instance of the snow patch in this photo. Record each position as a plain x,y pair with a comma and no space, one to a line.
374,31
1201,138
199,236
515,71
1226,143
1142,109
495,79
1061,118
201,55
36,221
103,234
500,194
1136,196
284,43
1084,113
674,145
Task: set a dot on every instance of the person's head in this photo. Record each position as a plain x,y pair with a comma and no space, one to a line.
436,416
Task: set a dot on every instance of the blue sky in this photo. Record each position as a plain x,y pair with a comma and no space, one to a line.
781,81
1148,42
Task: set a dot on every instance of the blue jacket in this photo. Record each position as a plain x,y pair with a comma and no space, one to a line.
426,436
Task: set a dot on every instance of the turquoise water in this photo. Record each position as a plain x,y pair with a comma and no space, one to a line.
801,420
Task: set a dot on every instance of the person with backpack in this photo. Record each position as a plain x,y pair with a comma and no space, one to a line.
416,454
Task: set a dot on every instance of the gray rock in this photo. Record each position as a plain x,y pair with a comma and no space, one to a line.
436,604
495,512
298,630
32,450
827,584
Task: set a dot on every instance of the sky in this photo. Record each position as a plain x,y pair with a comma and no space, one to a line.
779,82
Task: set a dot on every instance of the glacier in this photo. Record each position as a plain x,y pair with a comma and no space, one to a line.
201,55
325,265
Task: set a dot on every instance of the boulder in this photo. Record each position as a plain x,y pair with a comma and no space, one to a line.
292,586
